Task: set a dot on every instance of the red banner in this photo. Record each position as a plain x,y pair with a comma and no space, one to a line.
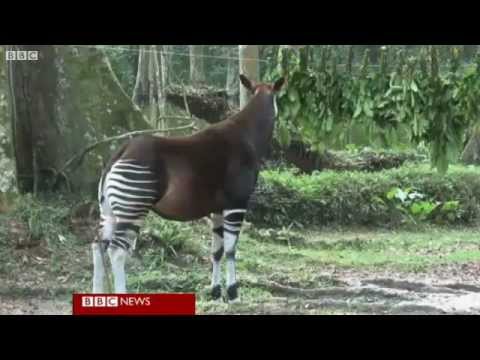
133,304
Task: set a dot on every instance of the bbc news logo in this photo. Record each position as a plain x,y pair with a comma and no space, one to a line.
114,301
20,55
134,304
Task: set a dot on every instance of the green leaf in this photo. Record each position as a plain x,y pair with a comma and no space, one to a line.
391,194
293,95
284,135
295,109
358,110
450,205
329,124
368,111
413,86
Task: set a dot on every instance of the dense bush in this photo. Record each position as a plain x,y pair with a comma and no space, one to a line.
33,220
403,101
409,194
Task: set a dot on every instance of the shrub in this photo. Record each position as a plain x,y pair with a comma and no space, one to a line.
358,198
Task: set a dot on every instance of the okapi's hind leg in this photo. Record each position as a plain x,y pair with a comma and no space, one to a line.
123,241
126,194
100,244
217,253
232,223
98,267
117,239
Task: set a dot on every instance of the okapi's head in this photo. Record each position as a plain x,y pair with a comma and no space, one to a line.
270,89
254,87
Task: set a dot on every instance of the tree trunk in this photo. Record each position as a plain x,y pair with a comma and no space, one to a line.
471,153
165,63
36,135
248,65
68,98
7,167
140,91
374,55
197,67
232,85
149,92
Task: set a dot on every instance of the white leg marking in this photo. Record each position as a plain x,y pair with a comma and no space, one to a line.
98,269
118,257
228,212
217,243
107,224
229,243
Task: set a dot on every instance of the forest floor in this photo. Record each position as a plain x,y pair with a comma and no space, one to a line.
431,270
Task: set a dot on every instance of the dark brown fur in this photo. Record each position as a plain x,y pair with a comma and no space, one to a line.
212,170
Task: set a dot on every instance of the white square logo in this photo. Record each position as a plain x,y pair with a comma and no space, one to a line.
32,55
21,55
10,55
112,301
87,301
100,301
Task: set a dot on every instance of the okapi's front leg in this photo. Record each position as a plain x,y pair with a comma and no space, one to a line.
232,223
217,253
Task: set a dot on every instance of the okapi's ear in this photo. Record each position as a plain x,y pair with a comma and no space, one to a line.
278,84
247,83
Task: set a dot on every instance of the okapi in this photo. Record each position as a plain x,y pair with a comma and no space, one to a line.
212,172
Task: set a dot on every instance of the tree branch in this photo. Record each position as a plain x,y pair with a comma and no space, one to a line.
78,158
135,107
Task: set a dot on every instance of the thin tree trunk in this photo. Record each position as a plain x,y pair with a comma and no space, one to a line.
152,96
140,90
471,153
197,70
149,91
232,86
158,89
165,63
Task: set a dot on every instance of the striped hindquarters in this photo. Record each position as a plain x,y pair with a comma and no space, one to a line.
130,190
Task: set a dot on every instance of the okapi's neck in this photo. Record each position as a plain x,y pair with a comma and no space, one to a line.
259,118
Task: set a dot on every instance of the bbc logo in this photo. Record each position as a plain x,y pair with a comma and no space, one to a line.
21,55
99,301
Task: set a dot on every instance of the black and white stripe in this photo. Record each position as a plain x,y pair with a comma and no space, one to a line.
232,224
216,253
126,194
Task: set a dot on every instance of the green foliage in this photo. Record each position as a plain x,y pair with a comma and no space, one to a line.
416,206
406,100
392,197
167,238
124,62
45,220
283,235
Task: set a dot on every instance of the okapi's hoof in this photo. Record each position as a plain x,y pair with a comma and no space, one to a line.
216,292
232,294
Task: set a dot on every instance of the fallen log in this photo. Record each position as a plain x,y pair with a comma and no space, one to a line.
298,154
207,103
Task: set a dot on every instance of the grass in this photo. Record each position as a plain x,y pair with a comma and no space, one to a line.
174,257
403,250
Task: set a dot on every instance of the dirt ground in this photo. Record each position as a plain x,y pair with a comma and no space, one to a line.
336,272
362,293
